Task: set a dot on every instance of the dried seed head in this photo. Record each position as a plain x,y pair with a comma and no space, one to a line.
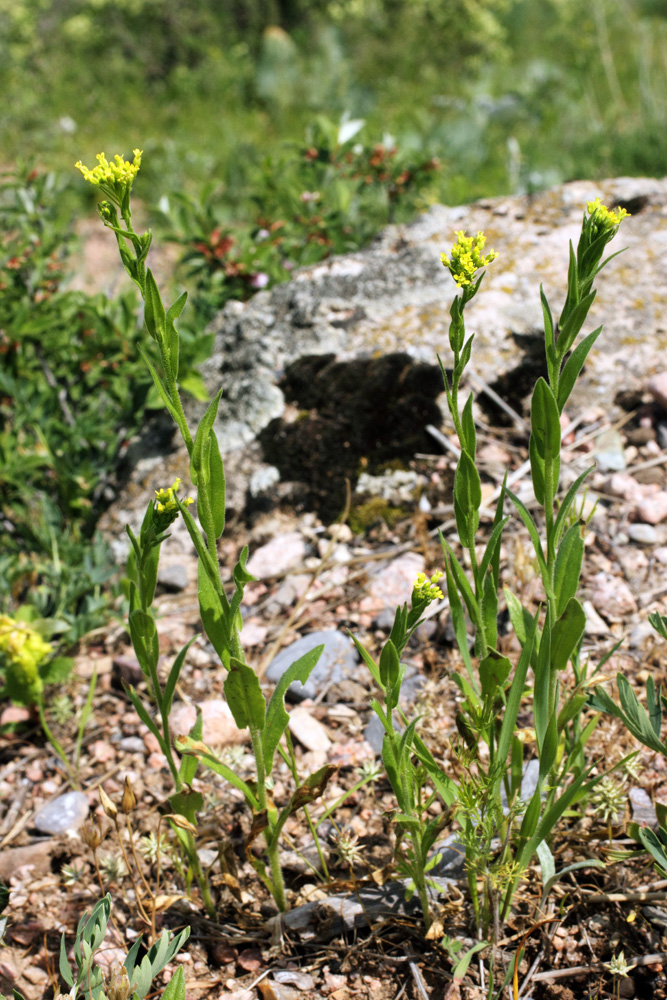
91,835
129,800
108,806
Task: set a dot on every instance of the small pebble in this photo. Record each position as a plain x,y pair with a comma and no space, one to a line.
132,744
657,386
173,578
645,534
67,812
653,510
308,730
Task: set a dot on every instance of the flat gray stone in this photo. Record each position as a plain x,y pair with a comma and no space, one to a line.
173,578
339,661
67,812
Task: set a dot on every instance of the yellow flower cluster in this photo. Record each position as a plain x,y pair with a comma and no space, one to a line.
114,174
165,500
467,258
22,645
603,217
425,590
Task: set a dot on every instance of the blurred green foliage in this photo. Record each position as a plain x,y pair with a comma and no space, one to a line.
510,94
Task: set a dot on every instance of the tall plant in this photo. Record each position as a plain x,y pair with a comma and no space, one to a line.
500,831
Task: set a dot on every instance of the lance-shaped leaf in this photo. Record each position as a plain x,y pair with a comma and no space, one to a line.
467,499
566,504
145,641
277,717
568,567
544,441
389,664
154,314
244,696
469,442
494,670
188,769
571,326
566,634
214,616
216,489
199,459
573,366
171,334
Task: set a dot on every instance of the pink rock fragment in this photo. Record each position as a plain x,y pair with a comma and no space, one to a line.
657,386
612,597
393,584
219,728
653,510
282,553
623,485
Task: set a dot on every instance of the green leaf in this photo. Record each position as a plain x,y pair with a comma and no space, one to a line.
494,670
568,500
515,694
527,519
154,314
56,670
460,630
175,989
164,395
244,696
187,803
217,486
389,664
636,717
467,499
490,611
572,324
469,442
368,659
188,768
463,585
277,717
544,441
568,567
159,955
174,674
547,865
566,634
573,366
145,641
241,577
653,844
214,617
145,717
200,471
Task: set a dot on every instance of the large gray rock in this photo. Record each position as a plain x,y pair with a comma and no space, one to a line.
338,365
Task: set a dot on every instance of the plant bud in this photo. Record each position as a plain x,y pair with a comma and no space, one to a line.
119,987
181,822
91,835
108,806
129,800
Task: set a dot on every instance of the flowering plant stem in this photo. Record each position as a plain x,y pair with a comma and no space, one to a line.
220,613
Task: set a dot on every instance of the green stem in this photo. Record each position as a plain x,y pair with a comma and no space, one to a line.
271,837
55,744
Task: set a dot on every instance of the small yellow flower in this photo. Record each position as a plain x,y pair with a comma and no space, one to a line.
165,500
114,178
425,590
603,217
467,258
